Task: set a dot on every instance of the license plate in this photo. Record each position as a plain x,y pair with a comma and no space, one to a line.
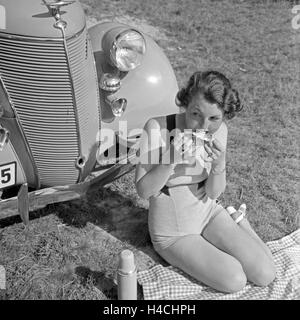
8,175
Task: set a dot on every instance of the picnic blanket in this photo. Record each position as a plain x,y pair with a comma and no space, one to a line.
170,283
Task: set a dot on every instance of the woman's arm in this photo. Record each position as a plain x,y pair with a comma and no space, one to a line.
216,182
150,175
152,170
154,180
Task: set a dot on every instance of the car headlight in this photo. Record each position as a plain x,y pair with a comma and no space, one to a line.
124,47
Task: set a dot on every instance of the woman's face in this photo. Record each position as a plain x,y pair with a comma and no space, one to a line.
201,114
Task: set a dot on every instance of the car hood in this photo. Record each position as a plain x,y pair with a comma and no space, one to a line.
32,18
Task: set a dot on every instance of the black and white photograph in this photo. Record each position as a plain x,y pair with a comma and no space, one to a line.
149,150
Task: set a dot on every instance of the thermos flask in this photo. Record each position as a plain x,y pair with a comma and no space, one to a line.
127,276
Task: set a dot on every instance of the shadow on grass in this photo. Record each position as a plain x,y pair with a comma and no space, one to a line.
98,279
9,221
6,222
113,212
110,210
102,207
101,282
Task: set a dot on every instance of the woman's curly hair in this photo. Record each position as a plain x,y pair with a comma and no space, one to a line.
215,87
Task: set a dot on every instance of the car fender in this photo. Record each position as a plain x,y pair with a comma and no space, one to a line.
150,89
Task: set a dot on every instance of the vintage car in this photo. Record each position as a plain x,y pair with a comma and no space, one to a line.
63,88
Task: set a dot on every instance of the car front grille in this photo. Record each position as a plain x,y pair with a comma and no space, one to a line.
36,75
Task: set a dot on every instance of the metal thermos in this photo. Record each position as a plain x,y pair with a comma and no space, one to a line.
127,276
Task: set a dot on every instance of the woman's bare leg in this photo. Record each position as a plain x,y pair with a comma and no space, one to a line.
206,263
229,237
246,226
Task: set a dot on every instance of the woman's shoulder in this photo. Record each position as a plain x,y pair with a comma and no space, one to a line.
158,122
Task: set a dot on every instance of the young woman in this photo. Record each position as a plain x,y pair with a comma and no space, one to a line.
188,227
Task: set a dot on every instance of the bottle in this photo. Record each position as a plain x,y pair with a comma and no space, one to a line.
127,276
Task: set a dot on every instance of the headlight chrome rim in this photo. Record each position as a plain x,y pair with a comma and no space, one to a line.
125,48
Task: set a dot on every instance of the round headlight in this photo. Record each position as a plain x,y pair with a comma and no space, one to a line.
127,50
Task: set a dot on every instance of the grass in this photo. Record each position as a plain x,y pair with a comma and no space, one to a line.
70,251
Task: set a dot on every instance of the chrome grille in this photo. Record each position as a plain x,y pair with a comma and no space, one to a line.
81,81
36,76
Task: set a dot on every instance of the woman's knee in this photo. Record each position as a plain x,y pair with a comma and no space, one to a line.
264,273
235,280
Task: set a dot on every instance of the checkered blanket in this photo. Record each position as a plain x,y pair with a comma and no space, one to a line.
169,283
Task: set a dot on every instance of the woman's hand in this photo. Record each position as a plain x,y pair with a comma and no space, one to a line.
180,149
215,151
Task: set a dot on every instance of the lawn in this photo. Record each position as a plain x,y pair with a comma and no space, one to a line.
70,250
